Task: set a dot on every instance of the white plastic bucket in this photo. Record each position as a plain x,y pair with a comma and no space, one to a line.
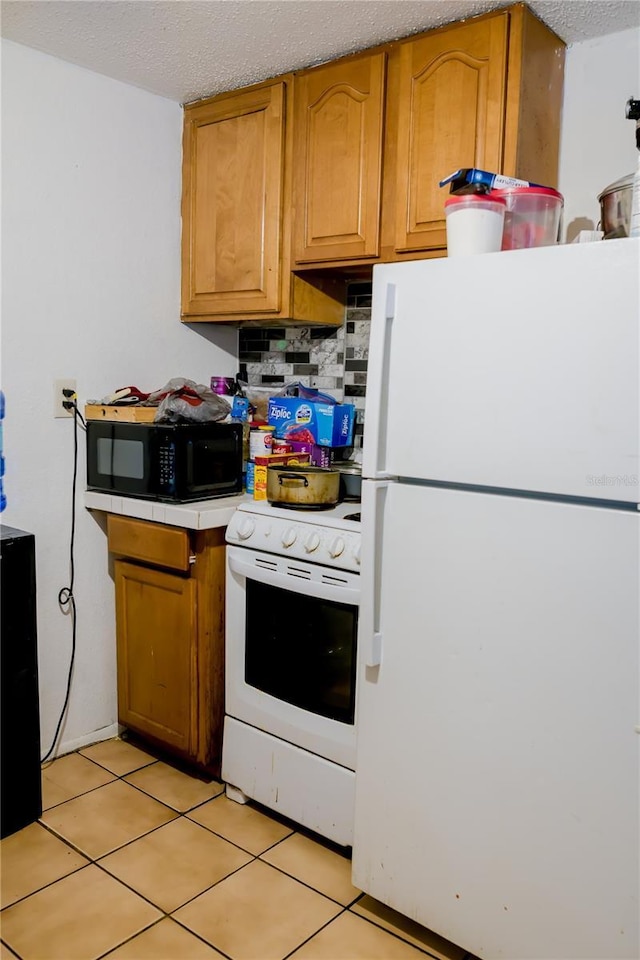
474,224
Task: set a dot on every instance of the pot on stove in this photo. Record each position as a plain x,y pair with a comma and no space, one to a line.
303,487
350,480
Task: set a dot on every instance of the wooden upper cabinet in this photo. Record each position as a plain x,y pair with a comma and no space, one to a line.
338,159
450,107
339,165
233,183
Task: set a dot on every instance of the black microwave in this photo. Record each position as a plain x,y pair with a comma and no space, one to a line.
176,462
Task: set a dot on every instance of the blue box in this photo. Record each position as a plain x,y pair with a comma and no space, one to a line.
493,181
327,424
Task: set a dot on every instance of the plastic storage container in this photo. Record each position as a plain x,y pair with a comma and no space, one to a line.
532,218
474,223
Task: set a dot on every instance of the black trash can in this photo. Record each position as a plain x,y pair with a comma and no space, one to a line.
20,784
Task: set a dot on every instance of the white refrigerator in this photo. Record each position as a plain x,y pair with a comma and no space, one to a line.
497,771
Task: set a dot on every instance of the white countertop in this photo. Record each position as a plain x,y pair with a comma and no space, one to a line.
198,515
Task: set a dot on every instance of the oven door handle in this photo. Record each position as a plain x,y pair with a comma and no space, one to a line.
313,588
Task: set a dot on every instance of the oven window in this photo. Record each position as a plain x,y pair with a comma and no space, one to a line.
302,650
120,458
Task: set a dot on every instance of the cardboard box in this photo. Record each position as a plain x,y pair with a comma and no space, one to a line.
320,456
127,413
325,424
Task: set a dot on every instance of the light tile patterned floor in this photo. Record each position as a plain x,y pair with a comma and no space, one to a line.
135,860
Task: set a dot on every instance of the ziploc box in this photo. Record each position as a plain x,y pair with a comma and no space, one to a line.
327,424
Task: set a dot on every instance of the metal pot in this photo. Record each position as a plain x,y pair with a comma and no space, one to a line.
615,208
350,481
307,488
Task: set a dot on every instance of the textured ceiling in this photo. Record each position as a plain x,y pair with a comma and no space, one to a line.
188,49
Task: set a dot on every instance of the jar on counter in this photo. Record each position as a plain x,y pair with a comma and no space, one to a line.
260,441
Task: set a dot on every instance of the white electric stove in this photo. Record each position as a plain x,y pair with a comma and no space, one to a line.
293,594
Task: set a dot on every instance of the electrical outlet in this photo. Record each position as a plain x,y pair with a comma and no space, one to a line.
59,397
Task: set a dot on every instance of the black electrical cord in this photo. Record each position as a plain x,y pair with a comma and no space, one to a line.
66,598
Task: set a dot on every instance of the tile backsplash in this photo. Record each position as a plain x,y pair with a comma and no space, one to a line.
333,359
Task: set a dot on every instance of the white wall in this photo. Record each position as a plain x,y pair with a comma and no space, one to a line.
90,269
597,143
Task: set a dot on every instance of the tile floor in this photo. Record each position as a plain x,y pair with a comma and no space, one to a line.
135,860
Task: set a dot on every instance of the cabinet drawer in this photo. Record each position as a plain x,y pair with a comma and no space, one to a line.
149,542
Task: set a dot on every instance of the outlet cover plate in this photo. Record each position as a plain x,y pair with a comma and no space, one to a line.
58,386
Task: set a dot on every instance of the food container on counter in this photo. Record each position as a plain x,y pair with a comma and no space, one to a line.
250,477
532,217
474,223
260,441
281,446
224,386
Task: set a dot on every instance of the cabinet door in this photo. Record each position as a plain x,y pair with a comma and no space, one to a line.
233,173
338,159
451,108
156,639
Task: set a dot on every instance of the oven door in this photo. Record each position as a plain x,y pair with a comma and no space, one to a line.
291,633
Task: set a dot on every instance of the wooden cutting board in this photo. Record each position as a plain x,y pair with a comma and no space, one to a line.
125,414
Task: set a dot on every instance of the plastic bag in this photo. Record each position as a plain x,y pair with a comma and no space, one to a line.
258,397
313,395
183,400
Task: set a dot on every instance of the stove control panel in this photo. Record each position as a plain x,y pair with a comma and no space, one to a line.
324,542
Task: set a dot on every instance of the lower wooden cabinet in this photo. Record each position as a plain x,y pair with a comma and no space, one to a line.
169,586
156,654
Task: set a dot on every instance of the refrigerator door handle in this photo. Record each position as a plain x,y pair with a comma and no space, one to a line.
375,451
374,497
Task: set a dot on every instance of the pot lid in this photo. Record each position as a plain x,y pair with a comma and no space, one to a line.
621,184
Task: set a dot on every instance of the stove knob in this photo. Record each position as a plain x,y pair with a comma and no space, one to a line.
312,542
289,537
336,547
356,554
246,527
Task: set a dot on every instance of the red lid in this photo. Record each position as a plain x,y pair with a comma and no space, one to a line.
474,198
527,192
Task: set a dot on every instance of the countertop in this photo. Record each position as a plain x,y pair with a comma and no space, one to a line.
199,515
